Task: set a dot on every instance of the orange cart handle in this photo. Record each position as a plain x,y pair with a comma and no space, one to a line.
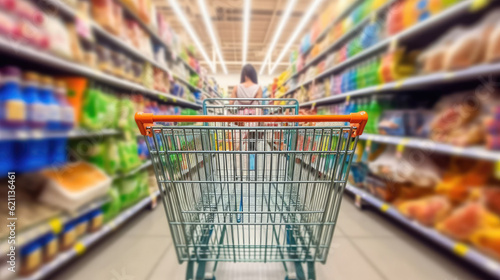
145,120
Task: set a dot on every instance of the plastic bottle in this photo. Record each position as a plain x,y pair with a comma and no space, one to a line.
67,111
13,107
33,152
52,106
57,144
36,109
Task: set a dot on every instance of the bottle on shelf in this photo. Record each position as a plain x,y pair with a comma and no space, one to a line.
12,104
33,152
374,110
51,104
67,111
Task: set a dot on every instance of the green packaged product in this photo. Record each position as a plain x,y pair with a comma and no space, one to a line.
129,190
129,157
113,207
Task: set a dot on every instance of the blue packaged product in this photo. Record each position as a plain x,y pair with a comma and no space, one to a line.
31,257
52,106
67,111
7,163
95,220
37,113
50,246
68,235
81,225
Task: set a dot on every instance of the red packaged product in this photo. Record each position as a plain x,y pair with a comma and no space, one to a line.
395,19
467,220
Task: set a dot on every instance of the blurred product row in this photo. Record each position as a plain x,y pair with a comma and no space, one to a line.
461,119
432,92
33,106
58,208
136,57
460,48
458,197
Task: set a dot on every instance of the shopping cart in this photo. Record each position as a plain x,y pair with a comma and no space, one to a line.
254,106
228,211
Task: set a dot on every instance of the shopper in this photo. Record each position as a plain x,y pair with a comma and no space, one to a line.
248,87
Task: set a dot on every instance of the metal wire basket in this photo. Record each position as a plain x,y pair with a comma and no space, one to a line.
248,197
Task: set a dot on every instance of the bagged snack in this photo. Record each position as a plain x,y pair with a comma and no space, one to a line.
462,176
467,220
470,47
432,58
74,185
427,211
489,196
488,240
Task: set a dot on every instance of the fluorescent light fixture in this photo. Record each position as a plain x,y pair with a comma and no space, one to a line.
305,19
277,34
208,23
246,22
191,32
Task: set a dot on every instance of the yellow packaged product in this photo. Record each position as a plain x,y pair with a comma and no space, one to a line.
488,240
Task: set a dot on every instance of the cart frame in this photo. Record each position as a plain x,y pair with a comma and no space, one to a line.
210,212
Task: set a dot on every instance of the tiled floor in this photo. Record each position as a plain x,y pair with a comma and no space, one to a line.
366,246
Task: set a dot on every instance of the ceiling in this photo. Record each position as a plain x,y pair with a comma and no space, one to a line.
227,20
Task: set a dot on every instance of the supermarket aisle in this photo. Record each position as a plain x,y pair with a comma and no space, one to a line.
366,246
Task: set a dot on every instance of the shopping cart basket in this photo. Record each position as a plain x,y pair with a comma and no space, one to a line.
250,106
226,211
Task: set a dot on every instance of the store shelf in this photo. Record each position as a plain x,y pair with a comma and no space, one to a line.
153,34
90,239
432,146
19,50
452,13
141,167
27,235
418,82
342,15
39,134
119,42
469,254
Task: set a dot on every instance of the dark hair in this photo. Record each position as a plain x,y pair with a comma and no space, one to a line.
249,71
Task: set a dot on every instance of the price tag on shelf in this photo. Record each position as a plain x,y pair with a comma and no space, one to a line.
477,5
56,225
401,147
112,225
399,84
79,248
313,106
373,17
384,207
393,45
460,249
379,87
449,75
347,98
154,200
497,170
174,100
368,146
